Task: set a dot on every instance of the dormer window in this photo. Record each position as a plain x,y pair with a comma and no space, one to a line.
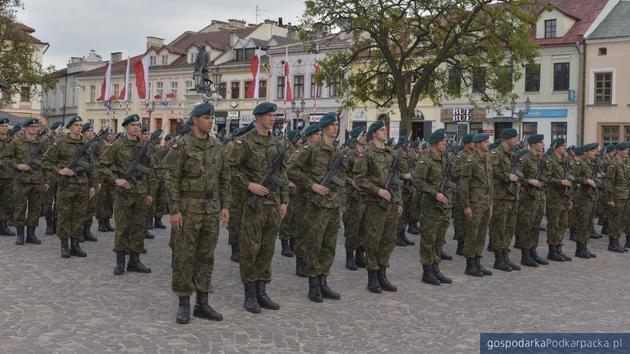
602,51
164,59
550,28
239,55
249,53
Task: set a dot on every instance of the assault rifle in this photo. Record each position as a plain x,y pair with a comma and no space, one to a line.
568,175
599,161
35,159
136,168
78,159
515,166
391,181
446,182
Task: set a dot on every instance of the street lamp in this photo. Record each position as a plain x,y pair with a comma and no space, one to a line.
521,113
150,107
298,110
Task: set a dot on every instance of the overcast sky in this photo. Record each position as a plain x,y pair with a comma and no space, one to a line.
73,27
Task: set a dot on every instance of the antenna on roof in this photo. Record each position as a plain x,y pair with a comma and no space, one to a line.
259,12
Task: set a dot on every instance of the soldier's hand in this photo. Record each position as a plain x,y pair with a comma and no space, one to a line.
400,210
23,167
441,198
98,188
149,200
225,216
122,183
513,177
355,186
92,193
319,189
591,183
468,213
383,193
65,172
283,211
611,204
535,182
258,189
45,187
565,182
407,176
291,184
176,220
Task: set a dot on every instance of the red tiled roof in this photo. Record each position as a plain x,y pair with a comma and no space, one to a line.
584,11
118,68
218,40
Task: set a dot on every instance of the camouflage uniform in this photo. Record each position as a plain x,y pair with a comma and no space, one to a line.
6,184
584,199
557,208
160,205
505,202
49,205
408,193
104,198
530,206
459,223
617,191
354,216
286,226
236,207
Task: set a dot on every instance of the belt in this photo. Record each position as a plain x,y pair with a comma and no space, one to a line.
197,195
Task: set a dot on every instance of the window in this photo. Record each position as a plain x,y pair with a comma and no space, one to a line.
239,55
159,89
475,128
479,80
507,78
25,94
316,89
188,84
550,28
333,87
454,80
92,93
559,130
104,122
129,91
164,59
529,128
298,86
236,89
116,92
560,76
602,51
149,92
174,88
249,53
262,89
152,60
532,77
280,90
610,134
193,57
222,90
248,84
603,88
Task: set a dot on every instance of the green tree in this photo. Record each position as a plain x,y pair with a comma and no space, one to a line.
17,66
401,51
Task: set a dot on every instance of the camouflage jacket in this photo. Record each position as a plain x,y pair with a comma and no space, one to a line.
616,186
555,173
119,157
351,159
371,173
19,151
582,171
531,166
197,176
58,157
427,178
476,183
501,170
6,172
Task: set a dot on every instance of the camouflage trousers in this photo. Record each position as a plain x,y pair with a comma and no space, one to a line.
618,217
257,242
90,211
583,205
104,202
503,221
433,225
161,207
321,239
192,253
557,221
297,226
459,224
72,203
130,215
353,222
477,229
405,218
49,204
6,198
286,226
380,236
28,203
530,213
236,214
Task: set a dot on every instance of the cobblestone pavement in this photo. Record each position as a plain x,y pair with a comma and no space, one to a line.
51,305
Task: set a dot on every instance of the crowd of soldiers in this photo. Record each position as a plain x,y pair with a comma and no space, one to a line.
301,187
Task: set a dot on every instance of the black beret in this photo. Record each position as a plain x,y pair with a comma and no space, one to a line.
477,138
56,125
74,119
558,142
354,133
311,129
535,138
130,119
508,133
4,120
203,109
467,139
87,126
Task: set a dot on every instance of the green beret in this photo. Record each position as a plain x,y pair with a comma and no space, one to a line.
4,120
436,136
350,141
390,142
459,148
415,144
508,133
621,146
376,125
535,138
327,119
130,119
356,132
168,137
292,134
186,128
56,125
589,147
467,139
203,109
311,129
16,128
579,150
610,147
87,126
477,138
29,122
557,142
403,139
74,119
264,108
441,131
144,129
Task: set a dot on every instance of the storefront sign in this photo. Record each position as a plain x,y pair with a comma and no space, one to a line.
359,117
462,114
547,113
232,115
247,118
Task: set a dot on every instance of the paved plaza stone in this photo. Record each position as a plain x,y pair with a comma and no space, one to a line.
54,305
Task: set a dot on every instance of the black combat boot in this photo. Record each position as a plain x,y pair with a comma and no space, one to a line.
50,228
572,234
19,240
471,267
109,225
508,261
562,254
236,253
135,265
460,247
517,243
286,250
526,258
554,255
87,234
626,246
441,277
65,249
263,299
580,250
536,257
383,281
119,268
600,221
588,252
445,256
300,267
251,304
350,261
31,237
499,262
483,270
158,223
407,240
314,290
373,286
605,228
101,226
428,276
149,223
400,239
359,257
204,310
413,229
148,235
595,235
327,292
183,311
75,248
613,244
4,229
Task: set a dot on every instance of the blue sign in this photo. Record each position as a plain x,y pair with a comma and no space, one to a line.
547,113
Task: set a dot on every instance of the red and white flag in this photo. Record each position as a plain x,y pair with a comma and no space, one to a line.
124,94
288,95
107,82
254,87
318,72
141,69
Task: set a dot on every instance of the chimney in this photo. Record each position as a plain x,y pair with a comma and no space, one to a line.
233,39
280,21
116,57
154,42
